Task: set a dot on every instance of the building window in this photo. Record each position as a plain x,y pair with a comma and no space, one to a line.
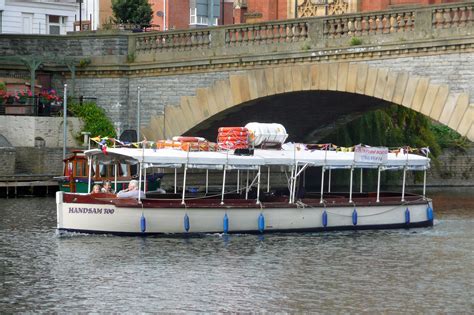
195,19
55,24
192,16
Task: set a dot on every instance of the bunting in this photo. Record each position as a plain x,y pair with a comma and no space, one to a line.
107,142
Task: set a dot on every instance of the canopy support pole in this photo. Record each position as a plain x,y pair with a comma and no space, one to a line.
350,185
296,181
268,179
329,181
403,185
144,179
90,174
184,182
292,182
378,184
322,184
258,186
247,186
175,180
361,183
424,185
223,185
140,182
207,181
238,181
115,176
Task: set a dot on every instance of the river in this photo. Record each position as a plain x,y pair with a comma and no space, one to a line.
427,270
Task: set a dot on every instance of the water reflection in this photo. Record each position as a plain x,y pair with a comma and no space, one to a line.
415,271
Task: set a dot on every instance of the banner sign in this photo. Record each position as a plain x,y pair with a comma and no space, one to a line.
370,154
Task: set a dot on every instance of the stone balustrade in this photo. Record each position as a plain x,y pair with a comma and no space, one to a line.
369,24
453,16
411,23
174,40
270,33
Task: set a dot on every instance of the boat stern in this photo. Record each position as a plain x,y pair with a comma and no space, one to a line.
59,209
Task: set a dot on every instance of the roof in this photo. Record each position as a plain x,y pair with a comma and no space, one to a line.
288,157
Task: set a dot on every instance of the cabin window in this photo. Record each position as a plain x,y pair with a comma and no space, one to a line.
81,169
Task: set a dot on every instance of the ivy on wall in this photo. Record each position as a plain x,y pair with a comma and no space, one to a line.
95,120
396,126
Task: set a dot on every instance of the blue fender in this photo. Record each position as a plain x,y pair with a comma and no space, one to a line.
407,216
354,217
429,214
226,223
261,223
325,218
143,223
186,222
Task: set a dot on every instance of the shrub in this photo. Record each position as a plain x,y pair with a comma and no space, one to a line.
95,120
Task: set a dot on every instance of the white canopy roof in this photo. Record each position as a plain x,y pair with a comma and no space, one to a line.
334,159
216,160
172,158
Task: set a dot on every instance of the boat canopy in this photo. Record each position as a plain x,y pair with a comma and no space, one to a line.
176,158
338,160
282,157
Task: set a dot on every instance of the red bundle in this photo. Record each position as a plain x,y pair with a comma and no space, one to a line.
232,138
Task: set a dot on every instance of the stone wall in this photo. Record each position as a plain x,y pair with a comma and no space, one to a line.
23,131
453,69
118,96
7,156
39,161
455,168
99,48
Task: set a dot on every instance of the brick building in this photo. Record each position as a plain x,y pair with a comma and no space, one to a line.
183,14
249,11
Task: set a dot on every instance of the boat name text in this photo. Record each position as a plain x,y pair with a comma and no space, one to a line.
91,210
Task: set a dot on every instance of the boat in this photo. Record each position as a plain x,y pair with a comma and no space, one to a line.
253,206
75,176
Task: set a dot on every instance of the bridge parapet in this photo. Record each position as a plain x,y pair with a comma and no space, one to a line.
369,28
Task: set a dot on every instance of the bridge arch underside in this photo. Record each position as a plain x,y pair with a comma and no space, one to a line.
308,116
310,98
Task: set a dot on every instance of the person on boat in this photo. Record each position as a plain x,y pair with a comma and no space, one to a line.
96,189
107,187
132,191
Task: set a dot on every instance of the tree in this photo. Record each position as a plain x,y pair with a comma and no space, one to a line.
136,12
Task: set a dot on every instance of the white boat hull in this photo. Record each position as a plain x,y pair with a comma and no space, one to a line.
109,218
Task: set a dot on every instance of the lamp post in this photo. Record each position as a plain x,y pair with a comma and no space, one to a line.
138,115
64,121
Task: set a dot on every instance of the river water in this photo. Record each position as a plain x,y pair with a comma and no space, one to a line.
396,271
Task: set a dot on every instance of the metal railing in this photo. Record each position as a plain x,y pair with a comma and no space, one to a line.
36,106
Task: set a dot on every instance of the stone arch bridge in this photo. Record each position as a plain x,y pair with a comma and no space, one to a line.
309,74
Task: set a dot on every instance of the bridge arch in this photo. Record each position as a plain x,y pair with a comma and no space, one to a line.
415,92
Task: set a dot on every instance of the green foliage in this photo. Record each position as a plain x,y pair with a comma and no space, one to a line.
448,138
131,57
355,41
306,46
84,62
394,126
136,12
3,86
95,120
